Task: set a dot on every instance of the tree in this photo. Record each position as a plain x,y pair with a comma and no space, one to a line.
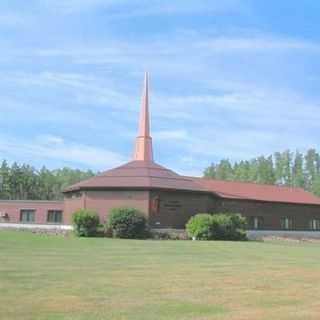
23,182
298,177
5,181
265,170
311,167
283,168
210,172
224,170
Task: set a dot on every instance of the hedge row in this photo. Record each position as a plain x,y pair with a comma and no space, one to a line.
127,223
130,223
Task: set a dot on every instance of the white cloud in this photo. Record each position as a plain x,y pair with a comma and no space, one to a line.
56,148
255,43
232,92
85,89
167,135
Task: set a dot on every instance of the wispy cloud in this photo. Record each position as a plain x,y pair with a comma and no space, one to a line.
167,135
84,88
48,147
256,42
220,87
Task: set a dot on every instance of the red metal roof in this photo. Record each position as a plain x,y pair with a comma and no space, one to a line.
260,192
149,175
138,174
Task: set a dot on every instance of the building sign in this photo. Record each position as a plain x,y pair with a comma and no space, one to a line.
172,205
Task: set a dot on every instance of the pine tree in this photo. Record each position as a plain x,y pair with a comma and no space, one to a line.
311,167
224,170
4,181
210,172
298,176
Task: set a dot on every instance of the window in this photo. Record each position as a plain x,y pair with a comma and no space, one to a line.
286,223
54,216
314,224
4,216
76,195
27,215
256,223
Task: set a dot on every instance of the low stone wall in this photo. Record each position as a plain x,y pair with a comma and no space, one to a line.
168,234
252,234
279,234
38,228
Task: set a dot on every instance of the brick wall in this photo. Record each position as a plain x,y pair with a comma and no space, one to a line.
13,209
174,208
103,201
272,212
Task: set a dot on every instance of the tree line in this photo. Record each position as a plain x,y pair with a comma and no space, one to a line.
293,169
24,182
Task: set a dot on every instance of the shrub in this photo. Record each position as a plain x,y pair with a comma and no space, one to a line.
200,227
217,227
86,223
228,227
127,223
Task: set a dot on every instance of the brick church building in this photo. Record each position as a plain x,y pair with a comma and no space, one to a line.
168,199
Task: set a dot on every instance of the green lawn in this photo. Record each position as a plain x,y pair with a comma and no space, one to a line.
48,277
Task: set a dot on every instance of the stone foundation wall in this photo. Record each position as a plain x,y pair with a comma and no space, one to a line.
278,234
38,228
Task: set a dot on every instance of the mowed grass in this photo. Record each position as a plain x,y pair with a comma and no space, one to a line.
49,277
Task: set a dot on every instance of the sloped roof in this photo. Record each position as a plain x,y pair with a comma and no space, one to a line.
138,174
149,175
254,191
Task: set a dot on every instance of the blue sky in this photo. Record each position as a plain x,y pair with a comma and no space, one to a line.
229,79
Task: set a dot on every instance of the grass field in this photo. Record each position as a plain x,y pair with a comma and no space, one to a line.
48,277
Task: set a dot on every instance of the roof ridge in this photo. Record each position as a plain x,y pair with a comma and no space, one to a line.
149,176
250,182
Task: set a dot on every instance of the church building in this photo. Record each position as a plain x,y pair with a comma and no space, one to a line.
168,199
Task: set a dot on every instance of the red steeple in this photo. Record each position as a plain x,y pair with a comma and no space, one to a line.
143,146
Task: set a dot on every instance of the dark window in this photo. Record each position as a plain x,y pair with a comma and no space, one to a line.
286,223
27,215
54,216
4,216
76,194
314,224
256,223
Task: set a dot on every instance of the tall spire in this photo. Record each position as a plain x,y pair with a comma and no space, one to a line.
143,146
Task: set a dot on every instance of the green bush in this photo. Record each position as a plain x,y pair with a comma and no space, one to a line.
85,223
217,227
127,223
228,227
200,227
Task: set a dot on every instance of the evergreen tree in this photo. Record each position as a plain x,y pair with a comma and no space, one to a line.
5,181
298,176
311,167
210,172
224,170
283,168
